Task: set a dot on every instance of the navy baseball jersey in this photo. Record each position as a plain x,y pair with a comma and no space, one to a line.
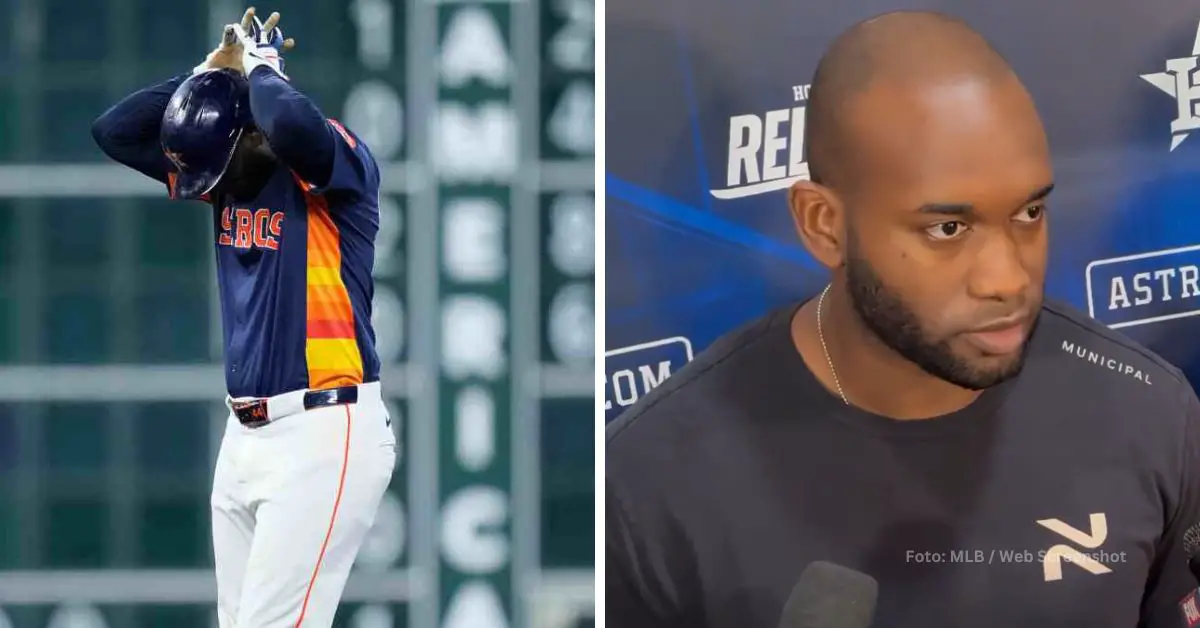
294,271
294,264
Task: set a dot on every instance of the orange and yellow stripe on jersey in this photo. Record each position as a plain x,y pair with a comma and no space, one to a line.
331,347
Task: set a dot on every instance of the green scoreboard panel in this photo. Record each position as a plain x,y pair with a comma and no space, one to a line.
566,275
511,145
476,158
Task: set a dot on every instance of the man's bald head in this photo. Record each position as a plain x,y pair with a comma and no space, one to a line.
931,176
908,50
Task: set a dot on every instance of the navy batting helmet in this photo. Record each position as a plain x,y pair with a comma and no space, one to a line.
203,122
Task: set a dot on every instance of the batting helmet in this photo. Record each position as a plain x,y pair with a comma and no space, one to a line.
203,122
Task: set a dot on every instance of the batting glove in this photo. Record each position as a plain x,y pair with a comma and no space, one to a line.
261,45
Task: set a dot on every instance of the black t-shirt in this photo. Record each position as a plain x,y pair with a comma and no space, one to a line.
1059,498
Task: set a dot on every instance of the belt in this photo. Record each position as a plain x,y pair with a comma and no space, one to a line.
258,412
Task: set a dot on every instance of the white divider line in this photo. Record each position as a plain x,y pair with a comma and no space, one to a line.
559,382
142,382
102,180
107,180
559,592
169,586
206,382
573,175
559,598
574,585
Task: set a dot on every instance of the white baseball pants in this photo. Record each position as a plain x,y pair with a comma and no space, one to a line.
292,502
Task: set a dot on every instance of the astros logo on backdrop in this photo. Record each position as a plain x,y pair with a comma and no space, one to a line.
1178,81
766,153
1144,288
1162,285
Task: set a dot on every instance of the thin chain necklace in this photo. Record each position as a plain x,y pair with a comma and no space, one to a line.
821,334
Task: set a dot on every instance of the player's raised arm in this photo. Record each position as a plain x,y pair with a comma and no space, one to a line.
320,151
128,131
294,126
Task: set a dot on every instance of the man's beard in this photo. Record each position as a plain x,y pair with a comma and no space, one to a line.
895,324
247,174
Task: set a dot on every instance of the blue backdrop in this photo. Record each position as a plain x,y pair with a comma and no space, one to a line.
704,114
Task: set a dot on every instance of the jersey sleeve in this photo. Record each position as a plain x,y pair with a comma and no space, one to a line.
1171,583
322,154
128,131
353,171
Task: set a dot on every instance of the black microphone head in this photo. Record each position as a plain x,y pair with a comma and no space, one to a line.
1191,540
830,596
1191,549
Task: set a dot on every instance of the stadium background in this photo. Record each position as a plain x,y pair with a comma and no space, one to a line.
481,114
692,250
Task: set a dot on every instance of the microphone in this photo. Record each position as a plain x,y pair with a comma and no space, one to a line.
830,596
1191,549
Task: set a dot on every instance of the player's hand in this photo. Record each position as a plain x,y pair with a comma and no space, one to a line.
268,33
262,44
228,53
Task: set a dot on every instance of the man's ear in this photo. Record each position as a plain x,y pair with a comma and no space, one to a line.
819,218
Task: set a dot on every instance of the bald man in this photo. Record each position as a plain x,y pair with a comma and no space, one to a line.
990,459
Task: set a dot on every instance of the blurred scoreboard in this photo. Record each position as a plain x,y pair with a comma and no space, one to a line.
481,115
509,143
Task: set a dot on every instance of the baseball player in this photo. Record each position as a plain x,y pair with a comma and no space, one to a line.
308,449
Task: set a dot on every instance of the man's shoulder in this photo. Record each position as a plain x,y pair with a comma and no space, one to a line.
703,387
358,208
1078,349
1076,333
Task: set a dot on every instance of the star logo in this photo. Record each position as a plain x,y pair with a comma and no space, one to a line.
1178,81
176,159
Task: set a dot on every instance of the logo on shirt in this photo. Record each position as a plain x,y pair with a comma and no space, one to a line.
337,126
1112,364
632,372
176,159
1178,82
1188,606
246,229
766,152
1053,558
1144,288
